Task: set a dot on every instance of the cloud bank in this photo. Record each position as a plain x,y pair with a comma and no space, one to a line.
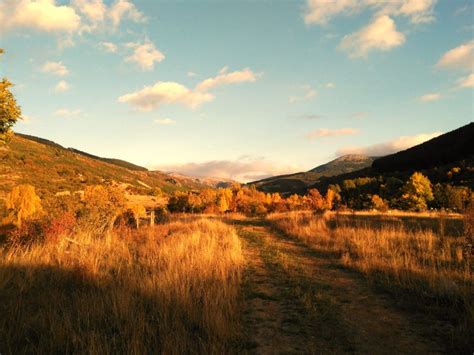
393,146
244,169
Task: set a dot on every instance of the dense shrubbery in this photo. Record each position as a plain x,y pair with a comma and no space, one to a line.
101,207
248,200
416,194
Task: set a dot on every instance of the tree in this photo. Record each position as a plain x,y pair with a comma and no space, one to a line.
23,203
10,112
417,192
332,198
378,203
138,211
102,206
316,200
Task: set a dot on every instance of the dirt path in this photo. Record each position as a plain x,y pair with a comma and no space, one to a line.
299,301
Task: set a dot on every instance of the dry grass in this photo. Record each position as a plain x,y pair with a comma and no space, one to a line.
171,289
418,264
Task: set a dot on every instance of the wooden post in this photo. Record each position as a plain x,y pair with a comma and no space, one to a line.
152,218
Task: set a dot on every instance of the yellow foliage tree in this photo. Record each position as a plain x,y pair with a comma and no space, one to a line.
332,197
9,110
417,192
23,203
316,200
138,211
102,206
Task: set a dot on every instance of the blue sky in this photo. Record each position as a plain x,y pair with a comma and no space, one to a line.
239,89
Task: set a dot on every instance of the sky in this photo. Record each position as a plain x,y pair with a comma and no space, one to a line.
239,89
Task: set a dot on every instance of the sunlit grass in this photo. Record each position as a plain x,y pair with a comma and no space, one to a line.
421,265
169,289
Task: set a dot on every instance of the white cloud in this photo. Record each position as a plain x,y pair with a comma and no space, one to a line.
77,17
42,15
124,9
164,121
56,68
108,47
225,78
151,97
191,74
64,112
244,169
380,34
61,86
330,86
145,55
430,97
320,12
419,11
396,145
94,10
461,57
467,82
308,94
326,133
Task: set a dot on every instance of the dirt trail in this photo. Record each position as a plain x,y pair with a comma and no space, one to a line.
299,301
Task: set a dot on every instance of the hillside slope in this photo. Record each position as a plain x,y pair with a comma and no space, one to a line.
435,158
298,182
450,147
52,168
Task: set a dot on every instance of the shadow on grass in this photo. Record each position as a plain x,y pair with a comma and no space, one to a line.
51,310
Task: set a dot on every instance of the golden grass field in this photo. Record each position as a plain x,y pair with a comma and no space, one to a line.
213,285
163,290
426,264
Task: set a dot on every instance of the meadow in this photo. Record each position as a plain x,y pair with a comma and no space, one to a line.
291,282
422,261
169,289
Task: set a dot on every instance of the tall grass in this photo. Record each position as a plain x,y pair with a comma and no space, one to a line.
171,289
416,264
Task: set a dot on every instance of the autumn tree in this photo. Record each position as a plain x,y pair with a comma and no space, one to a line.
22,204
332,197
102,206
378,203
417,192
316,200
138,211
9,110
224,199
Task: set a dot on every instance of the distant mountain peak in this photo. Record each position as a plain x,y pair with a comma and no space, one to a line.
352,157
344,164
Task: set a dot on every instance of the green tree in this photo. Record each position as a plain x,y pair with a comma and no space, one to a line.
417,192
10,112
22,204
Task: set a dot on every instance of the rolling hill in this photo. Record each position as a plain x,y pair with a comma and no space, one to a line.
447,148
299,182
434,158
54,169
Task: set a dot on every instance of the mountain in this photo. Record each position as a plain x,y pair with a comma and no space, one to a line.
344,164
299,182
434,158
206,180
450,147
53,169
